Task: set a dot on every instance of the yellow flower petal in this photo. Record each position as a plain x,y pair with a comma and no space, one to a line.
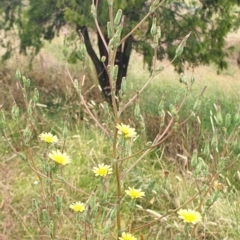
127,236
48,137
102,170
59,158
126,131
189,216
134,193
77,206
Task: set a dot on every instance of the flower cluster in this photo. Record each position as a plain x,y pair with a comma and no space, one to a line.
126,131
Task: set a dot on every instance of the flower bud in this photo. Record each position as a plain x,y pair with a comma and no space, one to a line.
183,79
162,118
110,2
114,42
181,46
214,142
15,112
29,108
103,59
237,118
154,26
206,150
93,11
173,110
115,72
218,118
124,84
75,84
159,32
109,30
26,82
2,122
155,3
45,217
27,135
35,95
194,159
58,203
34,205
18,74
117,18
65,51
65,131
227,120
155,41
81,51
137,110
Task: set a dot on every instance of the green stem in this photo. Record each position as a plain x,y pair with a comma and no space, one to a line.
118,215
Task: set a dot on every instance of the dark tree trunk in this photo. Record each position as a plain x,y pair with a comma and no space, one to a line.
122,60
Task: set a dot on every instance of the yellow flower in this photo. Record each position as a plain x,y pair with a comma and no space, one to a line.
134,193
102,170
78,206
126,131
189,216
48,137
218,186
127,236
59,158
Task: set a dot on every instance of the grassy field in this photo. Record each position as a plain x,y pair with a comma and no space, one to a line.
196,167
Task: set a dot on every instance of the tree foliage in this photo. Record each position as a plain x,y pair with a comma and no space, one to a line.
208,20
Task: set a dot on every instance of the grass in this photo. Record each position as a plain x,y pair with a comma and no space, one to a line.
166,175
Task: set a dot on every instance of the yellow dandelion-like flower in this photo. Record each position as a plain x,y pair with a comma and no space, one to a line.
218,186
59,158
127,236
102,170
77,206
126,131
134,193
189,216
48,137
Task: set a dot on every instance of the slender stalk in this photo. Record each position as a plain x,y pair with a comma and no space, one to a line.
110,11
39,177
214,177
87,108
99,30
155,59
143,88
141,22
112,89
111,61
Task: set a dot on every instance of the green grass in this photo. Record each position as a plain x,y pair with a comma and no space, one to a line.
166,178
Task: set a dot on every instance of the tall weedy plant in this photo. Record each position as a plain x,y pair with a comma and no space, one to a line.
109,210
